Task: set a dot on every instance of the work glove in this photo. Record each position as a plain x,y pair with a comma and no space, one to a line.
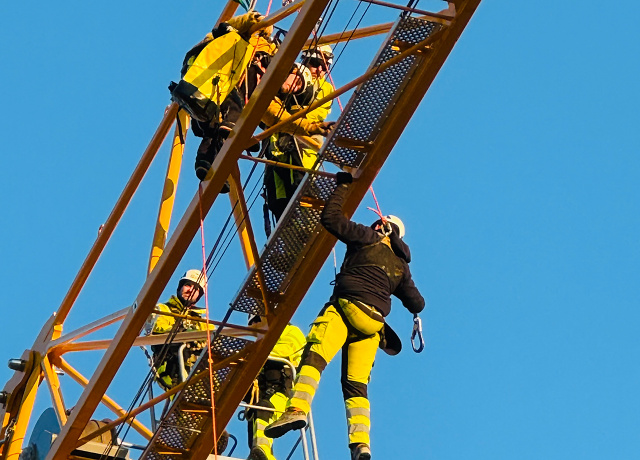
245,22
323,128
266,32
343,178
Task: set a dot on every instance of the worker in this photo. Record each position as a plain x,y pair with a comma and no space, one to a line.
274,385
281,183
214,120
228,56
191,288
375,267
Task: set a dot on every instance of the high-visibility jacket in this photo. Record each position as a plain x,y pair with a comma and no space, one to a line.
214,67
285,181
164,324
168,371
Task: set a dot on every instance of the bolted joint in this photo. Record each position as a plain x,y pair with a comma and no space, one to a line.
4,396
17,364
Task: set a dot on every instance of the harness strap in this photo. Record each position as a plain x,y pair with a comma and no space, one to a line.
369,311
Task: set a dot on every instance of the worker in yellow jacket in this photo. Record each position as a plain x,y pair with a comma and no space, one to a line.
166,357
281,183
274,384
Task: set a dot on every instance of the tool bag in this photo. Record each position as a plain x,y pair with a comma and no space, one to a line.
212,75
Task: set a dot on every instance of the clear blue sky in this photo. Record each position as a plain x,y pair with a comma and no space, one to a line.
517,180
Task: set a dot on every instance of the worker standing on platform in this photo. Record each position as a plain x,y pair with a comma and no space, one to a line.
375,267
274,385
191,288
281,183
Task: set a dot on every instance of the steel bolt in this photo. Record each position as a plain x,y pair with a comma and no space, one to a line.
17,364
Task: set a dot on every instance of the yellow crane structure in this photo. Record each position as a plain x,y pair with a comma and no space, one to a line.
385,98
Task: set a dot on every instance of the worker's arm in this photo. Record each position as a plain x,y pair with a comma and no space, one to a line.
336,223
408,293
302,127
163,323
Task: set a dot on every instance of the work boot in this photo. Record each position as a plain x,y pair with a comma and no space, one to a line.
257,454
223,442
202,168
360,452
292,419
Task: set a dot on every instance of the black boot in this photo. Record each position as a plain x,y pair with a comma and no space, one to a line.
360,452
207,151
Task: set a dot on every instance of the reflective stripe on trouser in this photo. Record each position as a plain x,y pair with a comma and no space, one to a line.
328,334
358,420
279,401
304,389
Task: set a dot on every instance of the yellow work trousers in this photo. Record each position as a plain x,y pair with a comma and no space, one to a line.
260,422
357,334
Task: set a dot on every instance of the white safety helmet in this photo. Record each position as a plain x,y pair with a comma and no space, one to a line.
396,221
322,52
305,75
195,276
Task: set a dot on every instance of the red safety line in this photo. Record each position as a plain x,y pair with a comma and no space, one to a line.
206,302
377,211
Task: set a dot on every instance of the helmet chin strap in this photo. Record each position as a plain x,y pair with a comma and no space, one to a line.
184,301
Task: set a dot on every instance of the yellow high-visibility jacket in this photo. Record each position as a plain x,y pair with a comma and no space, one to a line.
164,324
308,156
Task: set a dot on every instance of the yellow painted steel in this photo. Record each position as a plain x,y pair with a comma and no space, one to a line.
54,388
15,416
106,400
24,413
169,190
116,214
245,231
239,217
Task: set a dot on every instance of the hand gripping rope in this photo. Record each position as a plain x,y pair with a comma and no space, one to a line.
417,331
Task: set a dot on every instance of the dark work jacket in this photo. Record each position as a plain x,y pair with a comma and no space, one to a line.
370,284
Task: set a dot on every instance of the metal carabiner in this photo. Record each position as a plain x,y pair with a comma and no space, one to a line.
417,330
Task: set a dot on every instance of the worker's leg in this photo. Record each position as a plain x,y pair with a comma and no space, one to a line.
207,151
262,446
358,356
357,361
328,334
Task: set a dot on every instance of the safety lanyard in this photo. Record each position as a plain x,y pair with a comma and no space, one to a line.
417,330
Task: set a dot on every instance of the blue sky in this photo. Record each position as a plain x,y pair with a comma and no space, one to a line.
516,179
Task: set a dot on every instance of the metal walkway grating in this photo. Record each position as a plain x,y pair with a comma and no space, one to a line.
367,111
183,424
362,120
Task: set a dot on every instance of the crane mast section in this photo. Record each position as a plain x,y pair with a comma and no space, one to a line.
374,118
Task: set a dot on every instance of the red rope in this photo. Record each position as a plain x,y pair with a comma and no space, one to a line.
206,302
377,211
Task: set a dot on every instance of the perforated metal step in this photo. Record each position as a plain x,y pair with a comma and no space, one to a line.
362,121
